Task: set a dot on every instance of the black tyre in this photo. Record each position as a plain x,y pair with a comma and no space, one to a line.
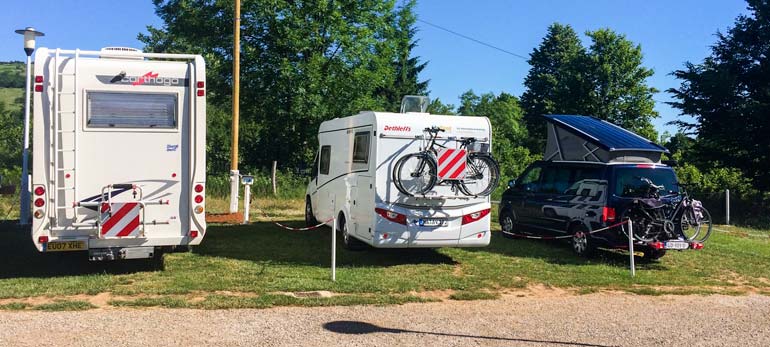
696,225
582,243
653,254
508,224
415,174
309,217
645,228
350,242
482,174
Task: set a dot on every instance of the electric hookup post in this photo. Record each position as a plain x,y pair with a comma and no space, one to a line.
247,181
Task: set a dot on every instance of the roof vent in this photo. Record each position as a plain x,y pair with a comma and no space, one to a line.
120,52
414,103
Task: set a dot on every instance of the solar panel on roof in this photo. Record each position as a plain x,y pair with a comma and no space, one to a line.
605,134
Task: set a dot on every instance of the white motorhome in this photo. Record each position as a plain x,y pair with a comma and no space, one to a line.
119,155
352,181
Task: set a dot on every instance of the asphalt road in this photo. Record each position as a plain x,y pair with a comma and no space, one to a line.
603,319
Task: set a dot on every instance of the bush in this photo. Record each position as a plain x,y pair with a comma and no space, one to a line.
289,185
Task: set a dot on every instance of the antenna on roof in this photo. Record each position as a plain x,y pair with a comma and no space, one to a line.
414,103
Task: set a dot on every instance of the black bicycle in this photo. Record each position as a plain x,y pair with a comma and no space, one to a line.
417,173
672,216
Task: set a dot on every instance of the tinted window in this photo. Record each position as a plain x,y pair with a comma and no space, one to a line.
628,182
555,180
361,148
530,180
131,110
325,157
587,181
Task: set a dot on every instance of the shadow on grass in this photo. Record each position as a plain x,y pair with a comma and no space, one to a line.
264,241
559,252
20,258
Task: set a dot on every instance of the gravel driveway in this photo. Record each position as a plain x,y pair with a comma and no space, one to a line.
603,319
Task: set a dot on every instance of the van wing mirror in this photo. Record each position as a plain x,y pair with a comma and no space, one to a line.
511,183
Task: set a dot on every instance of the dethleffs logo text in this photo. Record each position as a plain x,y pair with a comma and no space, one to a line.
150,78
397,128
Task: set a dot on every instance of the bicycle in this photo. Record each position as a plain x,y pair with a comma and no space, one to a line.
417,173
673,216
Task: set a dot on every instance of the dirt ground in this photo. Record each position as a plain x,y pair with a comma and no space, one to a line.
600,319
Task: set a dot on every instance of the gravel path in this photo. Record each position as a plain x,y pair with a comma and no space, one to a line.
564,320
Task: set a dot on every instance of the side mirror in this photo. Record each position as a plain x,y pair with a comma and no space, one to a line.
511,183
671,163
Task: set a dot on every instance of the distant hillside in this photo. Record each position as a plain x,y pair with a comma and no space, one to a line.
12,84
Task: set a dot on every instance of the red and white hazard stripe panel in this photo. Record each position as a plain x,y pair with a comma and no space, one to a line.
451,163
122,220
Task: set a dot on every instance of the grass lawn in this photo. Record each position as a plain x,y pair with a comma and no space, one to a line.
260,265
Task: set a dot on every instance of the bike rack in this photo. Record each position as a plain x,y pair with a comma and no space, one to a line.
422,137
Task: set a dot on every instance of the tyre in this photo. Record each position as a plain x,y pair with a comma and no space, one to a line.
696,226
415,174
508,224
645,228
653,254
482,174
309,217
582,244
350,242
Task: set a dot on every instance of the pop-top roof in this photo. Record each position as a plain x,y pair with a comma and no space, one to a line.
605,134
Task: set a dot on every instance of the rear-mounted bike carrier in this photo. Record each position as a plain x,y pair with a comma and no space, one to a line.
126,210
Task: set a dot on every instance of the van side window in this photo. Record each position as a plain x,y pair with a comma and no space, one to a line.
361,147
587,181
326,152
530,181
314,170
131,110
555,180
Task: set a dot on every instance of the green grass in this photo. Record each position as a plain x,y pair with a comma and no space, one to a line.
65,305
14,306
258,260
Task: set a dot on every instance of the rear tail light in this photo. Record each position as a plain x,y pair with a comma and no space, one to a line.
38,79
198,199
608,214
193,233
201,84
198,209
39,191
39,202
201,92
198,188
472,217
391,216
38,214
656,245
38,87
696,245
42,239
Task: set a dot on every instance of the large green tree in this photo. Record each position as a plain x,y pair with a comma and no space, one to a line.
606,80
302,62
725,100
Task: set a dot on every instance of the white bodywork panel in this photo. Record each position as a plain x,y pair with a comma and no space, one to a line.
356,189
103,109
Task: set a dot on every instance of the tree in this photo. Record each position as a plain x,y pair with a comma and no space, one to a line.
438,107
10,143
727,97
607,81
302,62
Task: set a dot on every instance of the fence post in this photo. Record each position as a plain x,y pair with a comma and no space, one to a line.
246,202
727,206
275,188
631,247
334,244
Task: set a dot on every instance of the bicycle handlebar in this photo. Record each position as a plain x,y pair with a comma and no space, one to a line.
434,129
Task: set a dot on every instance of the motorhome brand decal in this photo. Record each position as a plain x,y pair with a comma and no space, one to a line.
171,148
147,79
402,128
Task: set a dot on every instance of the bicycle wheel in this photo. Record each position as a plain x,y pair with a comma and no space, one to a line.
482,174
696,224
415,174
643,222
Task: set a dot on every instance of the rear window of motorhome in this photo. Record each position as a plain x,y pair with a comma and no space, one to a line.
325,157
361,147
131,110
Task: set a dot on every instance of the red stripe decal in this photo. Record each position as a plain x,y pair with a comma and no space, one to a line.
458,171
115,218
130,227
445,155
451,164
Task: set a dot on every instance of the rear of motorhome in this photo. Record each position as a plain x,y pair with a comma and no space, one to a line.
119,156
352,183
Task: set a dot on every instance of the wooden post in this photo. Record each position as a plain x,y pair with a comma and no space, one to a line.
236,111
275,185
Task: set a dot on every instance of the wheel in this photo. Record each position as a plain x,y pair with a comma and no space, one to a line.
309,217
350,242
507,223
653,254
696,224
645,228
482,174
415,174
582,244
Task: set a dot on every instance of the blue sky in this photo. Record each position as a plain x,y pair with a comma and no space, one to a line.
670,32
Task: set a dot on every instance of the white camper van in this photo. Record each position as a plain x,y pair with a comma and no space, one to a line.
352,181
119,161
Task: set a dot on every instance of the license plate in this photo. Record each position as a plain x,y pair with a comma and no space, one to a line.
432,222
61,246
677,245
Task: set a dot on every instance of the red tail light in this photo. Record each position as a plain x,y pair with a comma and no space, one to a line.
39,202
38,79
42,239
608,214
198,188
656,245
696,245
201,84
201,92
391,216
645,166
198,199
39,191
472,217
193,233
38,87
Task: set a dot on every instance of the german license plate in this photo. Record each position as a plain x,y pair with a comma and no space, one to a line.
677,245
429,222
61,246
